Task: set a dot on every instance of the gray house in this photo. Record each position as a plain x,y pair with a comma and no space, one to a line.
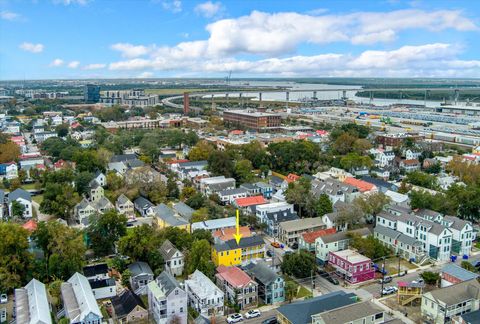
167,301
142,274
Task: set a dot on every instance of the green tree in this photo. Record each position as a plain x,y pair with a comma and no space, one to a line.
243,171
82,180
369,246
291,289
199,257
105,230
299,265
172,188
63,248
200,215
196,201
201,151
294,156
298,193
126,275
430,277
142,243
59,200
468,266
219,163
17,209
15,260
9,152
323,205
187,192
62,130
256,153
88,160
353,160
422,179
372,204
344,144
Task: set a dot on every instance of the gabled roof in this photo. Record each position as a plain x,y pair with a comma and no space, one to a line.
19,193
244,243
310,237
261,272
301,312
122,199
184,210
168,250
234,191
123,157
227,233
125,303
362,186
340,236
78,298
30,226
250,201
167,282
142,203
455,294
350,313
31,303
139,267
236,277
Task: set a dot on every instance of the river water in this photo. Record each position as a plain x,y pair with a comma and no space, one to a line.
326,95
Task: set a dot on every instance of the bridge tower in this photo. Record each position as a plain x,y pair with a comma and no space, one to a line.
186,103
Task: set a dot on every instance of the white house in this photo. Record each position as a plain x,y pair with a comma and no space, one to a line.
24,198
167,301
228,196
174,259
213,185
125,206
203,295
100,178
9,170
335,242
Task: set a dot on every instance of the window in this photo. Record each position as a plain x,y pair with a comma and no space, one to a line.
378,316
181,309
176,292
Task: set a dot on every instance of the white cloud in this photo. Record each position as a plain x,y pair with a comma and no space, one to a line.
57,62
129,50
73,64
9,15
407,61
174,6
145,75
32,48
209,9
94,66
71,2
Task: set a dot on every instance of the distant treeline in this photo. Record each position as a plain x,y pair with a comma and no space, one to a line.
448,95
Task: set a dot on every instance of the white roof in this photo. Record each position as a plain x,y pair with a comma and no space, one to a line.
84,296
396,197
214,224
274,205
351,256
31,304
201,285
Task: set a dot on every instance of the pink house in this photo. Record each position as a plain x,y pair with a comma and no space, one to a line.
351,265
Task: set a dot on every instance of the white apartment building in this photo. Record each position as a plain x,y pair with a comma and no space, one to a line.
429,233
203,295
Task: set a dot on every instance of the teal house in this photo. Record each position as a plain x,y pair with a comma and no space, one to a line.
271,286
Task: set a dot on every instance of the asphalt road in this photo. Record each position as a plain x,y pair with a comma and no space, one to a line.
264,316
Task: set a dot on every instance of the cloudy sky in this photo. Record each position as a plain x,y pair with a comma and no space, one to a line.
41,39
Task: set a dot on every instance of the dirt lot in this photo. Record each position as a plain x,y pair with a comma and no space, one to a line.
412,312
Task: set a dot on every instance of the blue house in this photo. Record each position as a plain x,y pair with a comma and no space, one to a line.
271,287
265,189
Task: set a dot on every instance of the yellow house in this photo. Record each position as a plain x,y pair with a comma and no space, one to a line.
230,253
165,217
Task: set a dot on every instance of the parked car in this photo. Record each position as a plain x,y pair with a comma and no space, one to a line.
295,246
234,318
386,279
333,280
3,299
269,253
322,272
253,313
271,320
389,290
420,280
276,245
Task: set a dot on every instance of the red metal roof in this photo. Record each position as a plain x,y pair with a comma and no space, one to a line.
311,236
250,201
31,225
227,233
360,184
292,177
234,276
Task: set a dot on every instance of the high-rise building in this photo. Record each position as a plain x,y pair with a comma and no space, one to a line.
91,93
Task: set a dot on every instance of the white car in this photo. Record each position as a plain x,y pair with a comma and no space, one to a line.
3,299
234,318
253,313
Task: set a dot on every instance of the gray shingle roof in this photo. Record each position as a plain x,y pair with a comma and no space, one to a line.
350,313
167,250
472,317
301,312
340,236
139,267
244,243
142,203
261,273
123,157
122,199
125,303
235,191
167,282
184,210
19,193
455,294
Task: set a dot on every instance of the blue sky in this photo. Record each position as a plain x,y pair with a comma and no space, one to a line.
42,39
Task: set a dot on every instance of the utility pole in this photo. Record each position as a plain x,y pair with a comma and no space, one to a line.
383,275
313,280
398,273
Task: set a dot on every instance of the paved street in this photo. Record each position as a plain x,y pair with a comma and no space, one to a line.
265,315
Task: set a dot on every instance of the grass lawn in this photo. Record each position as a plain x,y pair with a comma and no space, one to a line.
392,265
38,199
301,290
29,186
